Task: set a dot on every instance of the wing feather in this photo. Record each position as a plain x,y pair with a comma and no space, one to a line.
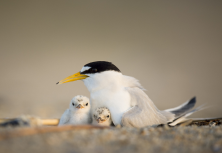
144,113
65,117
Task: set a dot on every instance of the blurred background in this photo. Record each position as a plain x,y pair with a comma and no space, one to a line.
173,47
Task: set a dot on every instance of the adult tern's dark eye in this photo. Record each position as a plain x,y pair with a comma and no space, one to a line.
86,104
107,116
94,70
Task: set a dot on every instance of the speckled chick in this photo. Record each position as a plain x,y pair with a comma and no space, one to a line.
102,117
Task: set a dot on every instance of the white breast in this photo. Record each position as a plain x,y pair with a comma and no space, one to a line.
79,118
107,89
117,102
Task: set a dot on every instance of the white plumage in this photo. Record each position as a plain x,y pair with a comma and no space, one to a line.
78,112
125,97
107,90
119,93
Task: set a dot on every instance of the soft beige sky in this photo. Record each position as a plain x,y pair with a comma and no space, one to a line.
173,47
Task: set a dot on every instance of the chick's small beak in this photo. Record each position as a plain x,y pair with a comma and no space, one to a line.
74,77
100,120
79,106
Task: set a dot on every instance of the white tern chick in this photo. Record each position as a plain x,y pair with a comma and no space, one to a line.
78,112
102,117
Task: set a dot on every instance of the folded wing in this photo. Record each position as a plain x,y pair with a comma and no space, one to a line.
144,113
64,118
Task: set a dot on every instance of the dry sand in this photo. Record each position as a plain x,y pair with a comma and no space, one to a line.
125,140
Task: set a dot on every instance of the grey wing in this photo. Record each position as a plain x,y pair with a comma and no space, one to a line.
144,113
64,118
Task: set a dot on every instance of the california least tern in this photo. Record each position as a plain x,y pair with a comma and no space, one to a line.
123,96
78,112
102,117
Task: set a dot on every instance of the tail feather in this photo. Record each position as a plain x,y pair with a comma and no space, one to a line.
183,117
182,109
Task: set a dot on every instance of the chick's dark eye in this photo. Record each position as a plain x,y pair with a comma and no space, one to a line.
86,104
107,116
73,104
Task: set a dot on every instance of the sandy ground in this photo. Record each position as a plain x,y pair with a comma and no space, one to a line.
125,140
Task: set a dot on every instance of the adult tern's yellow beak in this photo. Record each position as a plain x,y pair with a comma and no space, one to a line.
73,77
